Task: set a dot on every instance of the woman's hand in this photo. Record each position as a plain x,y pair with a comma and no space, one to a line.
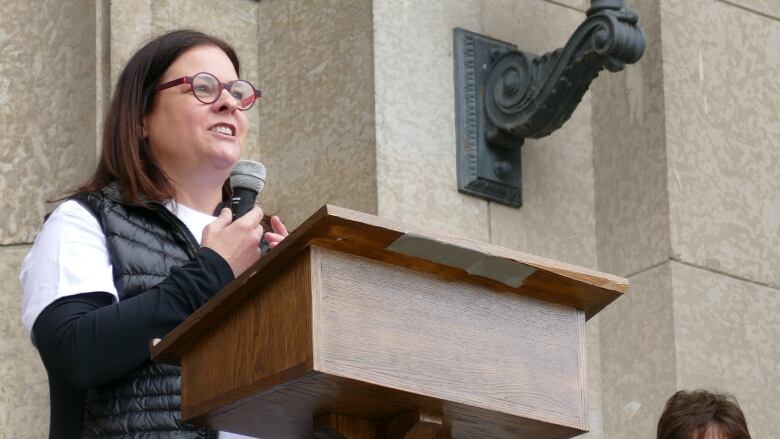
238,242
279,233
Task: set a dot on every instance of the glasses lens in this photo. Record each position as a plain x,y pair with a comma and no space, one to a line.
205,87
243,92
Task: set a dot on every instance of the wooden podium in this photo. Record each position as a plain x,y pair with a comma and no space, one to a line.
358,327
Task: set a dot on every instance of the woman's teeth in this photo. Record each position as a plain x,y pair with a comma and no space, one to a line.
222,130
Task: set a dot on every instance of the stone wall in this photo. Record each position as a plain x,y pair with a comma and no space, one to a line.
687,208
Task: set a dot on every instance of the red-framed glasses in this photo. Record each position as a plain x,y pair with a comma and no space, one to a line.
207,88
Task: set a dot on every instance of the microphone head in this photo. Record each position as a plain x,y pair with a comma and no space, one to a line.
248,174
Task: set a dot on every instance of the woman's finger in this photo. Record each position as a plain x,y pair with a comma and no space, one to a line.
273,237
278,226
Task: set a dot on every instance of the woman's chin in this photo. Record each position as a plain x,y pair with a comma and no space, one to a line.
227,157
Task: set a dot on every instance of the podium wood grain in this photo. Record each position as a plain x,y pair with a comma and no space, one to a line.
333,323
333,315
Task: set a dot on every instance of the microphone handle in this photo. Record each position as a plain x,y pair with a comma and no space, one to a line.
242,202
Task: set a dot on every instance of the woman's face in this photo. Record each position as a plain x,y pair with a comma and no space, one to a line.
182,132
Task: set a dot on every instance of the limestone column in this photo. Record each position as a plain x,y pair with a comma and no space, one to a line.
47,115
687,208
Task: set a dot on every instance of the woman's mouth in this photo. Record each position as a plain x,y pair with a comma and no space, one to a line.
225,129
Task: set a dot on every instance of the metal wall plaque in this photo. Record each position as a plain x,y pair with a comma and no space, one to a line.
492,173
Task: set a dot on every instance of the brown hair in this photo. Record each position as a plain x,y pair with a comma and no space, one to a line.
125,156
688,415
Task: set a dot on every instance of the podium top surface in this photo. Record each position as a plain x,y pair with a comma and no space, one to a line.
450,257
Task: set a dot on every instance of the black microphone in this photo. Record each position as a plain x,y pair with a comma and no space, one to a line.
247,180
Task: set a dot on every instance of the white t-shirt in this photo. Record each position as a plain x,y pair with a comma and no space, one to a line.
70,256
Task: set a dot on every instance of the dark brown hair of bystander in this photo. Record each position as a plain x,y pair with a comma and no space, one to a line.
689,415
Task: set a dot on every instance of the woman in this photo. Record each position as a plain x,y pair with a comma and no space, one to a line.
136,249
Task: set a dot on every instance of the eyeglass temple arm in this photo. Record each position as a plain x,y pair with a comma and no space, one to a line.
175,82
248,100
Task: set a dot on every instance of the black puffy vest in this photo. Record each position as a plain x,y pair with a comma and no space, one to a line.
144,243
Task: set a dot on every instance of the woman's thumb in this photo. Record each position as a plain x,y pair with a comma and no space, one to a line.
225,217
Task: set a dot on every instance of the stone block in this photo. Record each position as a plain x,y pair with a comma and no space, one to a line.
581,5
415,115
24,388
130,26
317,119
770,8
629,140
534,26
637,342
726,340
47,108
721,77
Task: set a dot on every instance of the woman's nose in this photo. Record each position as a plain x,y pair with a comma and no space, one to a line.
226,101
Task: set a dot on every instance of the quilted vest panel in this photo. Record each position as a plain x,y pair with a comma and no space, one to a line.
144,243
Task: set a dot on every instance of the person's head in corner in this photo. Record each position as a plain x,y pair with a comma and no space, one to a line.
700,414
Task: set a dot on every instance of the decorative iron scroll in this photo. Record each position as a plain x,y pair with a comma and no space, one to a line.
532,96
505,95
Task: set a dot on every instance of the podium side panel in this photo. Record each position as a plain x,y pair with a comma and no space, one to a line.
415,332
262,343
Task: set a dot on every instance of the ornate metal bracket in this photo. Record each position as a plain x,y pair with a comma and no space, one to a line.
504,95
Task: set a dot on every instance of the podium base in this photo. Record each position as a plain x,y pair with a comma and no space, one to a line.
415,424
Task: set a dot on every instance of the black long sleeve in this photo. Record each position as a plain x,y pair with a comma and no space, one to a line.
86,339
